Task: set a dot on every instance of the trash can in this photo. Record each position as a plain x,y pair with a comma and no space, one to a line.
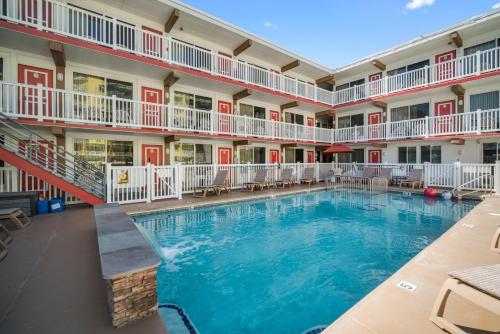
42,206
56,204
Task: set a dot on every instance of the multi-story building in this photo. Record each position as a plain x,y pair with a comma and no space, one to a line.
132,82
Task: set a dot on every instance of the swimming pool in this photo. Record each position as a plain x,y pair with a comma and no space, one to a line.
291,263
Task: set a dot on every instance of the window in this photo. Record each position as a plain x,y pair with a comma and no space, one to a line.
484,101
479,47
193,154
430,153
407,155
253,155
358,82
98,152
252,111
351,121
188,100
96,85
396,71
121,89
1,69
294,118
491,153
294,155
408,68
409,112
191,55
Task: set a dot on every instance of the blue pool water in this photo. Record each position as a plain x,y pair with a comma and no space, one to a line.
288,264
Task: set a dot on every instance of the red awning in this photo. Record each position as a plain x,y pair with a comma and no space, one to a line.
338,148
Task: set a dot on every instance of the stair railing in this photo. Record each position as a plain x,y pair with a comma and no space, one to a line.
23,142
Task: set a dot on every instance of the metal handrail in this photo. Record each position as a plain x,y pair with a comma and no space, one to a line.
27,144
488,190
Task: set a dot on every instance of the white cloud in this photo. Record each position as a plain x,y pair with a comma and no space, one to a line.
496,6
416,4
270,25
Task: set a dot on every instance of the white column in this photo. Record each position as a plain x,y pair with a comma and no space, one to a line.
109,185
149,183
496,180
179,178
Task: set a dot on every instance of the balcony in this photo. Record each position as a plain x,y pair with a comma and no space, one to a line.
28,102
477,122
64,19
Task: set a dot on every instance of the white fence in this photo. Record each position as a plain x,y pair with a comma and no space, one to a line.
67,20
130,184
13,180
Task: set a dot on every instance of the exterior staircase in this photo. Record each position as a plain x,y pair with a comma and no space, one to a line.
29,152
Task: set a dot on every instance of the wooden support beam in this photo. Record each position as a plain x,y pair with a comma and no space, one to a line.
241,143
457,141
172,138
289,105
170,80
457,39
458,90
326,79
57,51
379,104
328,112
378,64
58,131
291,65
172,19
289,145
243,46
241,95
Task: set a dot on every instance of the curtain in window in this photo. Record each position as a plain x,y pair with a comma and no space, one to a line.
484,101
399,114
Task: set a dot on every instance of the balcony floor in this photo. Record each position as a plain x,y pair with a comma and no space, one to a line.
52,283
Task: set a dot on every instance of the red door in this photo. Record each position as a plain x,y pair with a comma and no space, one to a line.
275,116
375,87
151,110
152,154
225,109
310,157
375,156
275,156
445,123
28,96
225,156
152,42
374,130
445,68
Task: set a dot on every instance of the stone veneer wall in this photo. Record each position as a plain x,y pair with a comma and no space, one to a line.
132,297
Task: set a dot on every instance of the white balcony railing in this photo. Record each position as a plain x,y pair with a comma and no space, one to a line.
64,19
49,104
55,105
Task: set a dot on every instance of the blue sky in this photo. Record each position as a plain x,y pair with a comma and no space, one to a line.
336,32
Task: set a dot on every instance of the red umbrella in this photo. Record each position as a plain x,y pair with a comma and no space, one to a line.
338,148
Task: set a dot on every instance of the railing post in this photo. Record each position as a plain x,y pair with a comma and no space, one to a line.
355,133
115,34
427,172
426,124
478,62
179,178
39,19
426,75
496,181
213,115
316,171
170,110
109,184
39,89
149,183
245,125
113,110
456,175
295,126
168,45
386,85
479,121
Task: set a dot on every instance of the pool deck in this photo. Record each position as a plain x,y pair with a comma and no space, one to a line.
390,309
51,280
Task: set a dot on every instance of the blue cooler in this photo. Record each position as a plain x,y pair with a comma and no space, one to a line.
42,207
56,204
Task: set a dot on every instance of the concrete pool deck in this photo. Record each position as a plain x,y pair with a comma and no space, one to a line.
390,309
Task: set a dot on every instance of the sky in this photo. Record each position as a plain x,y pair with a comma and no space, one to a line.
337,32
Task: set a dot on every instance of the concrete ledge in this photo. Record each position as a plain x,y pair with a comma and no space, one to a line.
128,265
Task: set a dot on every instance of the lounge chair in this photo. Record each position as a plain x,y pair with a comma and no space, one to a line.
480,285
7,237
495,244
286,178
3,250
386,173
414,179
219,183
17,216
260,181
308,176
